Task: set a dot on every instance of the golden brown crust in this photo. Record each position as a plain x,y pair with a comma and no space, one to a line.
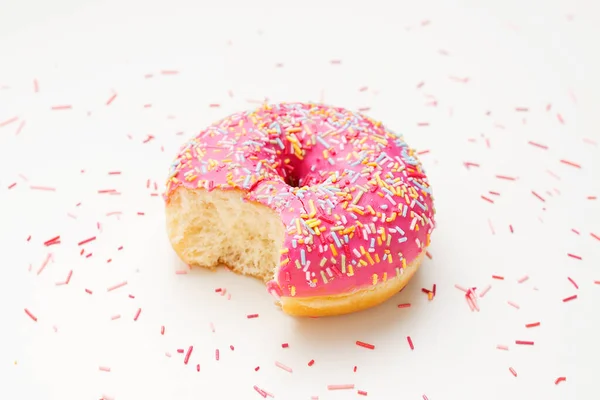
349,302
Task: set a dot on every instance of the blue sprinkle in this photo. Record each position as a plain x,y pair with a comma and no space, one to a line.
336,240
302,257
402,239
372,243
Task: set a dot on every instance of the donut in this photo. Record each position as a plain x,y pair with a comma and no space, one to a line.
329,208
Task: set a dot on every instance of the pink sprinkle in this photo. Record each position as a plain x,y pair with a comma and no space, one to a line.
422,123
9,121
508,178
571,163
260,391
560,118
162,330
36,86
283,367
532,325
570,298
212,327
541,146
512,371
181,272
461,288
169,72
285,345
498,277
552,174
340,387
198,367
595,236
311,363
515,305
217,354
117,286
62,107
574,256
484,291
111,99
45,188
20,128
521,109
559,380
257,368
231,347
410,343
30,315
88,291
491,226
362,393
114,317
524,342
214,105
336,62
44,263
105,369
404,305
523,279
502,347
487,199
573,282
575,231
250,316
137,314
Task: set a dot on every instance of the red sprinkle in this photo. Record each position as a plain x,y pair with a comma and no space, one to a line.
198,367
88,291
162,330
365,345
410,343
137,314
573,282
362,393
311,362
33,317
52,241
257,368
569,298
404,305
560,379
285,345
249,316
538,196
532,325
188,354
574,256
86,241
498,277
512,371
524,342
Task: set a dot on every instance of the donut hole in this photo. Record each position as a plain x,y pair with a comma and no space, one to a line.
210,229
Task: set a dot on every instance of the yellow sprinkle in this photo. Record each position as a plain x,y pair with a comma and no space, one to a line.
284,251
313,210
293,290
377,258
362,250
298,229
324,277
370,259
350,270
375,279
404,263
318,231
385,276
390,258
363,262
298,265
333,250
371,210
285,261
357,210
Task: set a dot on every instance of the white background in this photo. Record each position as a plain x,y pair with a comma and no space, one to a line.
514,54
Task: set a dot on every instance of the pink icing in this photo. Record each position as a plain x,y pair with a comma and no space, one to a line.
353,198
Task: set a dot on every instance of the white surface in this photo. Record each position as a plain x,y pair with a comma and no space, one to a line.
515,54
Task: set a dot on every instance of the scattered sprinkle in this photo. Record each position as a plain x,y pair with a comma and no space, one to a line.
365,345
340,387
532,325
512,371
566,299
560,379
30,315
283,367
410,342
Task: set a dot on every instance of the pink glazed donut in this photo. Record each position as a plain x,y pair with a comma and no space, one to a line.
328,207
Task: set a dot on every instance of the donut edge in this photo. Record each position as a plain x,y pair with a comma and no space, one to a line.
346,303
